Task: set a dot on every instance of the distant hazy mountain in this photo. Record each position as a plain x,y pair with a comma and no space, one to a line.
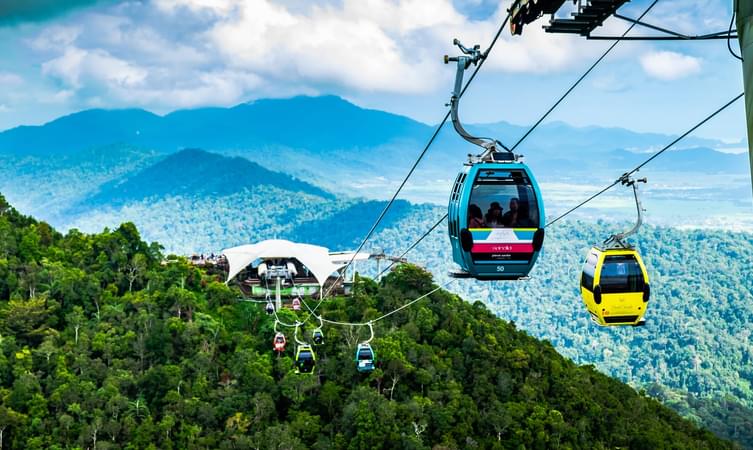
81,131
340,148
556,149
333,143
196,173
314,123
697,160
300,122
560,135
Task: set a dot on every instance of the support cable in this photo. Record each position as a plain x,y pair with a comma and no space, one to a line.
418,160
384,316
729,32
616,182
544,116
654,156
582,77
402,255
673,35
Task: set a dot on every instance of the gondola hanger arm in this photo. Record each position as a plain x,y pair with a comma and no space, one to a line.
619,238
295,334
471,56
371,330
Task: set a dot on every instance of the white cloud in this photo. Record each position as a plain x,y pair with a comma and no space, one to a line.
172,6
77,66
55,98
666,65
56,37
369,45
372,45
10,79
694,17
212,88
166,54
140,42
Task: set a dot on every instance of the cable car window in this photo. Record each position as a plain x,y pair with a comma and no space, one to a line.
364,354
621,274
589,269
305,359
456,187
503,199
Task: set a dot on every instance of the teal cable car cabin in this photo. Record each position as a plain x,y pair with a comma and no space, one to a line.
495,220
496,212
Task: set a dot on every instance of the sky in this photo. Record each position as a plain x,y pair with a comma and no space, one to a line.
163,55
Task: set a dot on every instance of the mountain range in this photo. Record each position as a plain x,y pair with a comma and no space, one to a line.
318,123
350,151
330,126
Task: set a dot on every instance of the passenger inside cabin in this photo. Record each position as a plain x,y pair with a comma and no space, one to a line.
524,219
510,218
475,217
306,365
494,216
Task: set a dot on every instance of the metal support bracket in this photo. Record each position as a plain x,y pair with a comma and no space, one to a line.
371,329
295,334
472,56
618,240
668,35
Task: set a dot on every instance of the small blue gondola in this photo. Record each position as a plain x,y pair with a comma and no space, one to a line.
365,358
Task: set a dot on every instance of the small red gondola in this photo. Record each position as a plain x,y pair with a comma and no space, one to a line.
279,342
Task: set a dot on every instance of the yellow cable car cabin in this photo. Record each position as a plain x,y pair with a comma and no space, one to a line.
305,359
615,286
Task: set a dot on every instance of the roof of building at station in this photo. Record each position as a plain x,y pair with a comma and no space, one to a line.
318,260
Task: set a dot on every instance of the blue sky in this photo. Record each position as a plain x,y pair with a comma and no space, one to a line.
163,55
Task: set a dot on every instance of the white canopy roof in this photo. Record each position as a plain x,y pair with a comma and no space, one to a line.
317,259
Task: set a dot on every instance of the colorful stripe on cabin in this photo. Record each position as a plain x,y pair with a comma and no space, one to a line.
509,245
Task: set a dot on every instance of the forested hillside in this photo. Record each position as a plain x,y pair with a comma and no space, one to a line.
195,173
692,343
105,346
695,341
696,348
193,201
49,186
697,338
